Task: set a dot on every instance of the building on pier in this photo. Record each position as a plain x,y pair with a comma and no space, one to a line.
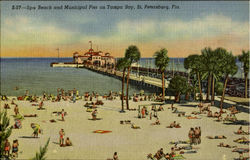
96,58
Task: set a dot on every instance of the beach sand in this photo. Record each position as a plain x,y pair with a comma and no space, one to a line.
131,144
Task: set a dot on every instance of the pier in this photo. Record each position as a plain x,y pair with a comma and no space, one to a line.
136,79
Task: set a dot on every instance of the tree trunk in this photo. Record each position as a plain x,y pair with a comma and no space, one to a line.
127,97
199,79
208,87
212,98
163,86
187,96
177,97
223,93
246,75
123,80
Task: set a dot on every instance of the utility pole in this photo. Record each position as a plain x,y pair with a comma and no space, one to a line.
58,53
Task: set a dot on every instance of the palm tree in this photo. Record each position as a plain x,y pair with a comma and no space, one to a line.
178,85
244,58
216,72
41,155
194,62
161,61
122,64
133,55
228,67
206,55
5,131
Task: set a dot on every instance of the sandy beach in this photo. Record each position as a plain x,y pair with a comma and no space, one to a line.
133,144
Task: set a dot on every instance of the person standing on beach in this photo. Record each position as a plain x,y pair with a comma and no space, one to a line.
63,114
16,110
7,147
191,135
74,96
94,114
15,148
61,133
196,135
199,140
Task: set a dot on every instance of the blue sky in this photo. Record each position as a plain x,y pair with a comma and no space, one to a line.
209,23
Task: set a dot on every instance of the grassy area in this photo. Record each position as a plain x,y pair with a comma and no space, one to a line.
244,101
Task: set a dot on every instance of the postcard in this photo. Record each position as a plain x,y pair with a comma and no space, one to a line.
127,80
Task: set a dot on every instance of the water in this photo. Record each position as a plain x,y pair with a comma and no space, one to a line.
36,75
177,64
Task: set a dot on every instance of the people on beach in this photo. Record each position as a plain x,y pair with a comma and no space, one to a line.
40,106
61,139
94,114
62,114
7,148
16,110
191,135
68,142
157,122
115,156
36,128
15,148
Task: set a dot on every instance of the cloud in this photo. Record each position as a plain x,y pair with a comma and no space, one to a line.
24,31
182,37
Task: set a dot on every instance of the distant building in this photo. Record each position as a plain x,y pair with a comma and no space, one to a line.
95,58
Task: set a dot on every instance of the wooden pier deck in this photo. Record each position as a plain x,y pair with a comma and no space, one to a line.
140,80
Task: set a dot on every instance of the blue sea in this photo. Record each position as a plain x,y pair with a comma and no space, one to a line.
36,75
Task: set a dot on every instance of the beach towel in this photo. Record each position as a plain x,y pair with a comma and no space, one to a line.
178,156
18,124
102,131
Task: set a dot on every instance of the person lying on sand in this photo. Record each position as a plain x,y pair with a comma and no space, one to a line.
157,122
217,137
187,147
242,140
134,126
241,150
30,115
226,145
190,117
240,131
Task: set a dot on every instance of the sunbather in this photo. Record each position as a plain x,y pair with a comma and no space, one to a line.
30,115
134,126
217,137
157,122
226,145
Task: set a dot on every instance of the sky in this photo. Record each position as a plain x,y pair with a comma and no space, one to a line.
183,31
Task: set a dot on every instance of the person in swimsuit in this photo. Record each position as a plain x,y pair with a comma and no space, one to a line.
63,114
16,110
115,156
68,142
61,133
7,148
15,148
